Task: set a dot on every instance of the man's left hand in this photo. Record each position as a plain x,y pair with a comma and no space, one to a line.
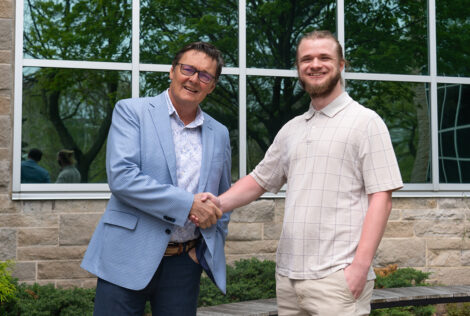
356,278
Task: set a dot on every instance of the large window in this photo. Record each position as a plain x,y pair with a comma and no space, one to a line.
408,60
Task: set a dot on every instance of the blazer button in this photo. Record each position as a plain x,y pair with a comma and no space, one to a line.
167,231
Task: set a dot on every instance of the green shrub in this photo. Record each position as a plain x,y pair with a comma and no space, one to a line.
249,279
45,300
405,277
402,278
458,309
7,284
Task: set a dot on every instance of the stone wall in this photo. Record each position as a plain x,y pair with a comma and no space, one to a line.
47,239
6,94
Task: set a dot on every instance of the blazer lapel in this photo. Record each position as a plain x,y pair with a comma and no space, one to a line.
161,119
207,152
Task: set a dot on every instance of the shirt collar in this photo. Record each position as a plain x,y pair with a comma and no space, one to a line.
198,121
331,109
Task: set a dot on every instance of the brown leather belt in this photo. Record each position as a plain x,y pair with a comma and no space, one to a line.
177,248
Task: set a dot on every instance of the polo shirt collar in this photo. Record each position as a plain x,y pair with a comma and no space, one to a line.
331,109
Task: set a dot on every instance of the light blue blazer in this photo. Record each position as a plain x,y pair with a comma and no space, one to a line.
145,206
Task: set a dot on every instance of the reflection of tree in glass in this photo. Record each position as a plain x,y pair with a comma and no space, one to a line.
76,103
273,29
453,32
381,36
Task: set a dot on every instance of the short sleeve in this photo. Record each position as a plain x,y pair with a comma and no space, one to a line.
379,163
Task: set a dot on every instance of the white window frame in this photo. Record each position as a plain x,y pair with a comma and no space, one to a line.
101,191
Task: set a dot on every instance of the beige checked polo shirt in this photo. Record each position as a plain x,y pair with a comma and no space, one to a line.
331,160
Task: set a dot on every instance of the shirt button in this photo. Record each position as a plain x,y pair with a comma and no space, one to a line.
167,231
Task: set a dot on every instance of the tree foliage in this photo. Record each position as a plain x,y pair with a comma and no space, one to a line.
383,36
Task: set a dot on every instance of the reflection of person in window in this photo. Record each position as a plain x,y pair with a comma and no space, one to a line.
31,172
68,173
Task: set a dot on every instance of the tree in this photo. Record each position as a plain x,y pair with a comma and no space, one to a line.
76,103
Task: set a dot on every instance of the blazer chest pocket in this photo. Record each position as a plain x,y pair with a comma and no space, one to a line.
122,219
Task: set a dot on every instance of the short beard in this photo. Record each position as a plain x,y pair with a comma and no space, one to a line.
321,90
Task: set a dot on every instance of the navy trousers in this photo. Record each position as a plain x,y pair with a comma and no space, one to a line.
173,291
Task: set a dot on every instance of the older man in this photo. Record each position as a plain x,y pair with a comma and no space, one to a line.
161,151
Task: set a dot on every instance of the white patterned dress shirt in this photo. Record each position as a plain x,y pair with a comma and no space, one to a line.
188,149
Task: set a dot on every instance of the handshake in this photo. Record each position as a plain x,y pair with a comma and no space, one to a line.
206,210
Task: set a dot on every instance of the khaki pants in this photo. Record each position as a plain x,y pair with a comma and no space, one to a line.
329,296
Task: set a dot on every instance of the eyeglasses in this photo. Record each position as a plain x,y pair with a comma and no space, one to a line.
189,70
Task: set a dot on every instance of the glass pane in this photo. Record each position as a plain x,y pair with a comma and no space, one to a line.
404,108
271,102
454,132
78,30
274,28
70,109
168,25
387,36
453,36
221,104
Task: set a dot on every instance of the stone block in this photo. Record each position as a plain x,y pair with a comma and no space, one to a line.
6,34
411,203
445,244
38,237
5,154
454,203
400,229
51,253
19,220
406,252
51,270
7,205
250,247
8,244
80,206
395,215
466,241
231,259
37,207
442,228
81,283
256,212
6,81
25,271
272,231
6,9
6,58
450,276
444,258
244,231
76,229
5,130
5,175
466,258
5,106
433,215
279,207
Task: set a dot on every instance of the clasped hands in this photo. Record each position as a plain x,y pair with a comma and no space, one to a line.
205,210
